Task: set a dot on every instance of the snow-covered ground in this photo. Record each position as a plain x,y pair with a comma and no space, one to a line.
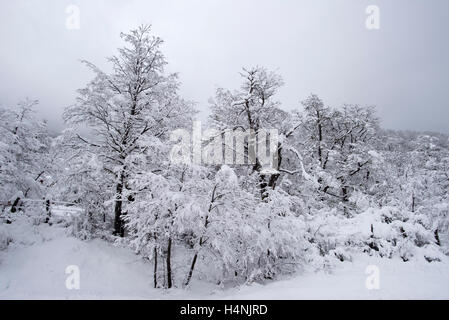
34,265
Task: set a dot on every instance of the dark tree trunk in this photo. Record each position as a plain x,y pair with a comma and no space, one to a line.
169,275
47,209
119,229
155,268
192,267
344,191
195,257
15,204
263,187
437,237
118,211
278,159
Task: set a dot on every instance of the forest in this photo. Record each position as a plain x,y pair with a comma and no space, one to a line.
340,186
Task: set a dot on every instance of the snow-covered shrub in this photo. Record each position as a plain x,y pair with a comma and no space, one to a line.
217,225
281,242
24,144
83,226
386,232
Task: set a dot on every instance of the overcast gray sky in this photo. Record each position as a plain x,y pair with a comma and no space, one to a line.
319,46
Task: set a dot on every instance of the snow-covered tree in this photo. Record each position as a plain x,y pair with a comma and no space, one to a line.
253,107
337,145
136,104
24,165
80,178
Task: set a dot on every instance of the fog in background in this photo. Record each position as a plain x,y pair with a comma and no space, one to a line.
317,46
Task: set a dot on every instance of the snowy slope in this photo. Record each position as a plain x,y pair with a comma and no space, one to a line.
398,280
33,267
